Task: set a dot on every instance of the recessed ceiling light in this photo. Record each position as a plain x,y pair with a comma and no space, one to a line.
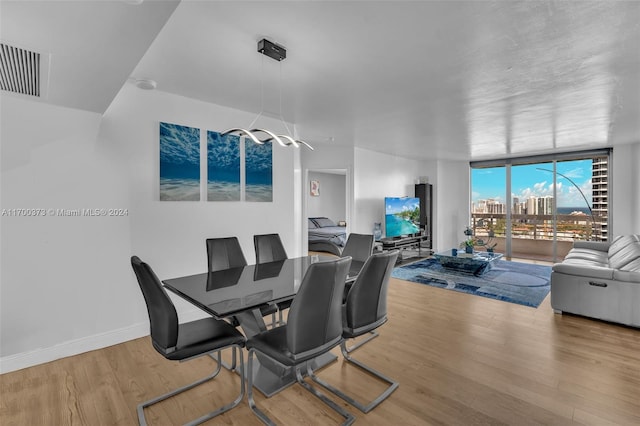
145,84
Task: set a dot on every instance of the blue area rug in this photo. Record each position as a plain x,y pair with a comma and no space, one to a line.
521,283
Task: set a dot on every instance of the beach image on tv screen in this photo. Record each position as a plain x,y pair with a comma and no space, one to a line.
402,216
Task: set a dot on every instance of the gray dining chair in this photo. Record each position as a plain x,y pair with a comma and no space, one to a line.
365,310
186,341
313,328
224,253
269,248
359,247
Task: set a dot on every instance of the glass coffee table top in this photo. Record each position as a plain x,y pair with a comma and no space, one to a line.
477,263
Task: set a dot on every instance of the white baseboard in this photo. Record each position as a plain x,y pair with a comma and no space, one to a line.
86,344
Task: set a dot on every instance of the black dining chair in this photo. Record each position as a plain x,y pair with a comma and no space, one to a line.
269,248
366,310
186,341
359,247
224,253
313,328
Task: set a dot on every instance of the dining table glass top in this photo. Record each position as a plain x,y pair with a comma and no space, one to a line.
230,291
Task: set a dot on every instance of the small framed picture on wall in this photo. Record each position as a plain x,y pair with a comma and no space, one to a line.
315,188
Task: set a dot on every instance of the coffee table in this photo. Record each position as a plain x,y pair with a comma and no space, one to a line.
476,263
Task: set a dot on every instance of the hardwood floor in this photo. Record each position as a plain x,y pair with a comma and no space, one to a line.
460,360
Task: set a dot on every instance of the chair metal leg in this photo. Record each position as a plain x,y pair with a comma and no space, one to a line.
365,408
142,421
372,335
252,404
349,418
233,365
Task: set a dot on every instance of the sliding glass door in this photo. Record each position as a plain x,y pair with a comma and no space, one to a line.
535,208
488,206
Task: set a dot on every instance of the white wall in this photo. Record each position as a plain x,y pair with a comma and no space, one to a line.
63,279
379,175
331,202
172,235
67,284
452,203
626,190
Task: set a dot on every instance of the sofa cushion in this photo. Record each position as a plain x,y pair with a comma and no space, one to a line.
586,262
592,245
586,254
620,255
619,242
583,268
633,266
628,276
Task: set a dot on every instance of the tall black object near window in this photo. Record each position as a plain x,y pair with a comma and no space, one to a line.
424,191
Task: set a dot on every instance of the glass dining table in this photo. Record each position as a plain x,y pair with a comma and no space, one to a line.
240,292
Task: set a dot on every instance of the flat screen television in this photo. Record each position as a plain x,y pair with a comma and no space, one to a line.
402,216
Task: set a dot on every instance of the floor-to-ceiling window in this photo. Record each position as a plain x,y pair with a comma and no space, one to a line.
536,207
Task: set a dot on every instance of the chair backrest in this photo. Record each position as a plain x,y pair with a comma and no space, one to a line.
366,303
315,317
224,253
163,318
358,246
269,248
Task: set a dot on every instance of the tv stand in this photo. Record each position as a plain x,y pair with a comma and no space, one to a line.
403,243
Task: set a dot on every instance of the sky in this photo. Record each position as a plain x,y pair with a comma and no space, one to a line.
528,180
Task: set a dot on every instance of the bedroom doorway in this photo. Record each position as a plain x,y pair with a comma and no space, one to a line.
327,196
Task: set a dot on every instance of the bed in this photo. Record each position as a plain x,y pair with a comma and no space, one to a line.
323,230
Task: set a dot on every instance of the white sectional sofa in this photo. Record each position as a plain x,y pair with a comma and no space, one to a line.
600,280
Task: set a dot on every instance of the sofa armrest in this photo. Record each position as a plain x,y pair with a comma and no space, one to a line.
592,245
584,270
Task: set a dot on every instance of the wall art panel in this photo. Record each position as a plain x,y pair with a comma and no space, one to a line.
258,171
179,163
223,167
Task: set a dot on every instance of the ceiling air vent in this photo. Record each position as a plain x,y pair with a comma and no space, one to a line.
19,70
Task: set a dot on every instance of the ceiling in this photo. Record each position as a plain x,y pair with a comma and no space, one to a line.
419,79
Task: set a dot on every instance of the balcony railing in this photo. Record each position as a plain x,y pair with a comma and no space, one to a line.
532,236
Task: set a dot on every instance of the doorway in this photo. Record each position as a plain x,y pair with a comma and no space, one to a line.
327,194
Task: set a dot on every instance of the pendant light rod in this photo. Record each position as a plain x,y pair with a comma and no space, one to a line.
278,53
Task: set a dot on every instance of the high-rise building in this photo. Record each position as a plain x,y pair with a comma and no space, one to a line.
600,197
532,205
517,207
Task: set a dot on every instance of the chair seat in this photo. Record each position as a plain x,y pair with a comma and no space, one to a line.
350,333
273,343
195,338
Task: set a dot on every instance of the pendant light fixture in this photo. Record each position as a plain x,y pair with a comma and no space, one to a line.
278,53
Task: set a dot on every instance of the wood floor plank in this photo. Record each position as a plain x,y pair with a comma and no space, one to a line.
460,360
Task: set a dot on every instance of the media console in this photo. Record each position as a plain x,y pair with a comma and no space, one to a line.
405,243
